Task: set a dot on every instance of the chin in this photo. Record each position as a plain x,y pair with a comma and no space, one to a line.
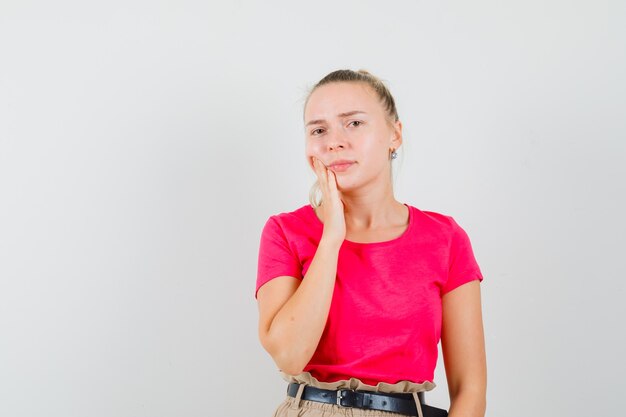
345,185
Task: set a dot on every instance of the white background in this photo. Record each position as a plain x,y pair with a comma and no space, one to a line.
143,144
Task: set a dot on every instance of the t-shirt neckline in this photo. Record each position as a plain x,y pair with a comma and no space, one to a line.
370,244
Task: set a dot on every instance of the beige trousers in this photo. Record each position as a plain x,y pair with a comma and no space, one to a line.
297,407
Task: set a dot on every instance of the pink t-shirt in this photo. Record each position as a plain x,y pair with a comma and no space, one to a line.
384,322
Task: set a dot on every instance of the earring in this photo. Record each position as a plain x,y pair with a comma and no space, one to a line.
394,154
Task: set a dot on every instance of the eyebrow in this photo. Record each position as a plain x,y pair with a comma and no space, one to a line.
346,114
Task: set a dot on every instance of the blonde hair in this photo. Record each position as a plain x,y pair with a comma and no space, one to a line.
362,76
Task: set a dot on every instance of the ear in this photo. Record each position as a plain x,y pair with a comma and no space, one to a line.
396,140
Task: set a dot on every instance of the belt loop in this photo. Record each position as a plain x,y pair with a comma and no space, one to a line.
293,410
418,404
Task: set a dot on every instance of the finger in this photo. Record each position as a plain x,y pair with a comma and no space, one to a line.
320,171
333,188
332,180
316,164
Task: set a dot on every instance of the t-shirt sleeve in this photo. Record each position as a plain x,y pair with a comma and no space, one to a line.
463,267
276,258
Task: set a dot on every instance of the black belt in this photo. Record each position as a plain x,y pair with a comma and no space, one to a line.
393,402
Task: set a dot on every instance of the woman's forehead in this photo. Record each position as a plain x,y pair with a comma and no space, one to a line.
341,97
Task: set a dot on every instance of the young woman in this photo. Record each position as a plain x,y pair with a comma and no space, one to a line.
356,289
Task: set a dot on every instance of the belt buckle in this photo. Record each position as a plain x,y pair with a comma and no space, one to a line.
340,397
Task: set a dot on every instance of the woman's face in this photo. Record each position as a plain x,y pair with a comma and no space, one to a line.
346,128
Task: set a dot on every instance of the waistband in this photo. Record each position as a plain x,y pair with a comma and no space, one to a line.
402,403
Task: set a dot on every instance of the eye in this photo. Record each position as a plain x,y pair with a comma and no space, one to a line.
315,131
355,123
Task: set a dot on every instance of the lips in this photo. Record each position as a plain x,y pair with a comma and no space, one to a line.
340,162
340,165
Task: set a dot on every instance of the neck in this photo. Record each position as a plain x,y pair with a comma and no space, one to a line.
372,207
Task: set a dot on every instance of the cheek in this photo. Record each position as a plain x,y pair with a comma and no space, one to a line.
375,147
314,149
376,153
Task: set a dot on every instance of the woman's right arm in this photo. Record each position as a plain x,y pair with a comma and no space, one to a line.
293,313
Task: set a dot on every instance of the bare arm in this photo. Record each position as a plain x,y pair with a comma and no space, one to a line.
293,314
463,348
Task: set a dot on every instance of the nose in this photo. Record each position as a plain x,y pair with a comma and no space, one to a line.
336,141
335,146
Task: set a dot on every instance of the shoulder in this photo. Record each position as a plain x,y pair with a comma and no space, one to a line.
434,220
446,228
299,214
294,217
299,221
